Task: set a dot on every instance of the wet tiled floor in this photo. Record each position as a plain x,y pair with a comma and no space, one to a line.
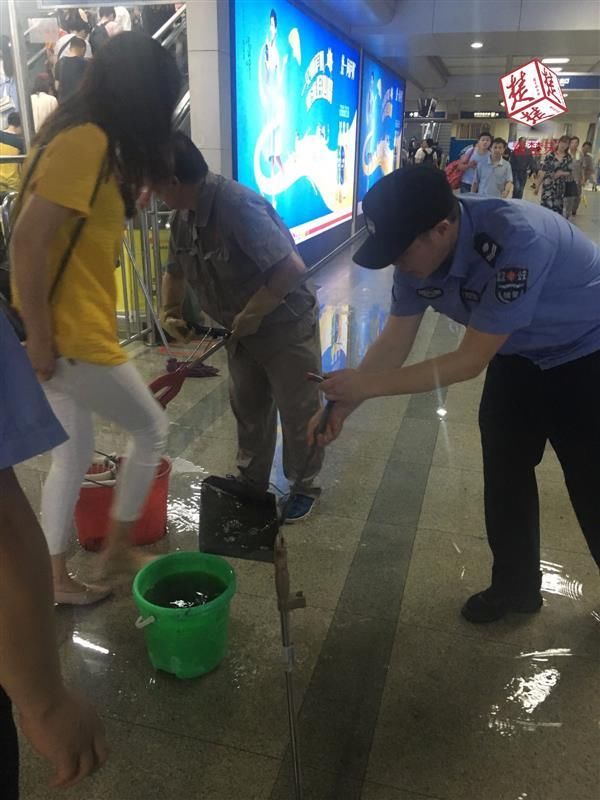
399,697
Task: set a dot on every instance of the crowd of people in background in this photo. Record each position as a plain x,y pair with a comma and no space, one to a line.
81,33
491,168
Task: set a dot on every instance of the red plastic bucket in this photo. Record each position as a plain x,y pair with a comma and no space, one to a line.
93,507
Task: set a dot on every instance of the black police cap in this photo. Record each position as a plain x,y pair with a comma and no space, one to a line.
399,208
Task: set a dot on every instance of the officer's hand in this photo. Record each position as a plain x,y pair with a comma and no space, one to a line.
177,329
337,416
70,736
245,324
348,386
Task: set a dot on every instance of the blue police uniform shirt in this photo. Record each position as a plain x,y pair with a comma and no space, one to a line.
27,425
518,270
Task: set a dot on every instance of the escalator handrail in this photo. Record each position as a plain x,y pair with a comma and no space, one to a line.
169,23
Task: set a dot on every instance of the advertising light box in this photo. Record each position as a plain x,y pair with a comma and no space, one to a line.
295,114
382,116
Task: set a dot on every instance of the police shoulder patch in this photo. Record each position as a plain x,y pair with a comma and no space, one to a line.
487,248
430,292
511,284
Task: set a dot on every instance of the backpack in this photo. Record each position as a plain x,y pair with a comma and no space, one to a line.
98,37
429,158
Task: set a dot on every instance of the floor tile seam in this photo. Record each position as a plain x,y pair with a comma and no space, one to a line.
345,614
413,794
188,737
483,640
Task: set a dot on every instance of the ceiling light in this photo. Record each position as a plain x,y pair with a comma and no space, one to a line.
557,69
555,60
565,94
476,45
502,103
477,95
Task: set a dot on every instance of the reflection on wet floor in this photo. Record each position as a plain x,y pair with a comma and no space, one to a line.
399,698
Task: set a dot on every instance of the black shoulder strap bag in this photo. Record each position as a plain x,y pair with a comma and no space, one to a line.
11,313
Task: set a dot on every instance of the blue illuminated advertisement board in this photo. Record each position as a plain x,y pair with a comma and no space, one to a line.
382,117
295,114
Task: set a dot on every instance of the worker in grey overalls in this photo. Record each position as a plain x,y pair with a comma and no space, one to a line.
231,248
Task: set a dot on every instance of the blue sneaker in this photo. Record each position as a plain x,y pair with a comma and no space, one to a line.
299,509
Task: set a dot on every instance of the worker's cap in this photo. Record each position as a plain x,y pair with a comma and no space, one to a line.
399,208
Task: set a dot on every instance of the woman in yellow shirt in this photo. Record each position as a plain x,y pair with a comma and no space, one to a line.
99,148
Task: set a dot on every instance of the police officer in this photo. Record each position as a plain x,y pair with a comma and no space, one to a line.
526,284
231,247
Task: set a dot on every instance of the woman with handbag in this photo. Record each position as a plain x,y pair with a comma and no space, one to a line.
89,162
554,171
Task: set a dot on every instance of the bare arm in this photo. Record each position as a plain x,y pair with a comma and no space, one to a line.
34,232
281,280
29,669
60,727
171,313
388,352
391,349
468,361
173,295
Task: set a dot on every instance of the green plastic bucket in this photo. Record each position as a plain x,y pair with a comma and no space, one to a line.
187,642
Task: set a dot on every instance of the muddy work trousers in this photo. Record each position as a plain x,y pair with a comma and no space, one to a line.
259,388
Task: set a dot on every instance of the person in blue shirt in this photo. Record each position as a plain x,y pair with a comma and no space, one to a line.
526,284
61,727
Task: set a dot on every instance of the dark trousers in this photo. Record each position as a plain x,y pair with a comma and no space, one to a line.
9,751
519,181
522,407
465,188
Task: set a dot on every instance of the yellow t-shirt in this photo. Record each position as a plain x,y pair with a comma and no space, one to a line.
84,303
10,174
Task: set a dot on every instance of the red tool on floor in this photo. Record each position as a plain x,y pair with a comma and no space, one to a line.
167,386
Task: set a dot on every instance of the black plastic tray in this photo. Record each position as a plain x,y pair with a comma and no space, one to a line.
236,521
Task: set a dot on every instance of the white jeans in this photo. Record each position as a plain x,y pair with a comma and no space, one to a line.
119,395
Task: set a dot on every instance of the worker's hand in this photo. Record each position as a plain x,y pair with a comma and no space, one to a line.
245,324
70,736
43,357
348,386
337,416
177,329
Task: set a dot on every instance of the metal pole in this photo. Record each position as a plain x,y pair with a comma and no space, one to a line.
125,288
156,251
21,78
147,273
134,294
287,603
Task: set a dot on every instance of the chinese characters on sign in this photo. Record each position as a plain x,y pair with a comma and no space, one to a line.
348,67
532,93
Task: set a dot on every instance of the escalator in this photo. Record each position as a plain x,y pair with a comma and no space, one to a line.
145,243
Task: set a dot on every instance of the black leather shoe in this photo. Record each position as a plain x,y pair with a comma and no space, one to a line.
491,605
